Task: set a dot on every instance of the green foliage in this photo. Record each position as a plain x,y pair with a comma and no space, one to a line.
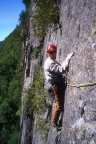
37,52
47,12
10,84
43,128
36,99
18,113
24,21
11,78
13,138
36,95
26,2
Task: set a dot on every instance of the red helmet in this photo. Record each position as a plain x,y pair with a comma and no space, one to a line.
51,48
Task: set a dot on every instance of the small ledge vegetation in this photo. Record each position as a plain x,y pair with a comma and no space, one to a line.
46,14
37,100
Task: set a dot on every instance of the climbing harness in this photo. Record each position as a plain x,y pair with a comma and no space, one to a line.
54,89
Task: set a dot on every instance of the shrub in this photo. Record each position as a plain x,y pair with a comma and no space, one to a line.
36,95
36,99
47,12
43,128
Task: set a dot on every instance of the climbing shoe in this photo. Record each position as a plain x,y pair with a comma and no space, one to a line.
55,125
58,127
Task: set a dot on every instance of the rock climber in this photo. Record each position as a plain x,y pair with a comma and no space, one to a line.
53,74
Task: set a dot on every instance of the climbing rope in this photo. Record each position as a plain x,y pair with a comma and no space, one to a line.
82,85
76,85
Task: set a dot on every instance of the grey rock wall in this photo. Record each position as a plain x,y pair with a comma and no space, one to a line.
76,32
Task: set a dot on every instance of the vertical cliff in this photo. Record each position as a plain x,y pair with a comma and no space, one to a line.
76,32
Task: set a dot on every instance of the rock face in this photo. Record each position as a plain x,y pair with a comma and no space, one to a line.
76,32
